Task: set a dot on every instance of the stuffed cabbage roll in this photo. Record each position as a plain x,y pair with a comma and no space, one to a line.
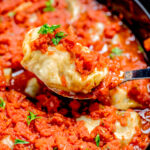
56,66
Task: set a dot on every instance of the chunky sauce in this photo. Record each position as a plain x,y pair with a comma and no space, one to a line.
57,128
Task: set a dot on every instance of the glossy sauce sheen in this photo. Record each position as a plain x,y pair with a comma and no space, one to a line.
57,126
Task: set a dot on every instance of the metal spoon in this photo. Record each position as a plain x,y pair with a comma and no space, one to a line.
137,74
128,76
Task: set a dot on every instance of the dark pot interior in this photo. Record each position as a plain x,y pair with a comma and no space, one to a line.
136,16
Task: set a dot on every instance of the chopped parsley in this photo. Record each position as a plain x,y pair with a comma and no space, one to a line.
11,14
58,37
115,52
18,141
97,140
48,29
2,103
31,117
49,6
140,48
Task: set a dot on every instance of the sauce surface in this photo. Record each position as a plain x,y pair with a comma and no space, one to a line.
55,125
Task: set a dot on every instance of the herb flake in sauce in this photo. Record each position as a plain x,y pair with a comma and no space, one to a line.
115,52
140,48
48,29
11,14
31,117
49,6
18,141
58,37
97,140
2,103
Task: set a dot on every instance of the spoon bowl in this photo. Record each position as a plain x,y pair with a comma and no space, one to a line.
128,76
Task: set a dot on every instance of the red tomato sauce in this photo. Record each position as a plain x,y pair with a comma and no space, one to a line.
56,127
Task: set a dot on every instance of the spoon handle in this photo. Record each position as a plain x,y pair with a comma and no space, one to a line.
137,74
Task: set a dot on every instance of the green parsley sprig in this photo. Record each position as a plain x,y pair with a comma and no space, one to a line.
48,29
58,37
97,140
18,141
49,6
31,117
115,52
2,103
